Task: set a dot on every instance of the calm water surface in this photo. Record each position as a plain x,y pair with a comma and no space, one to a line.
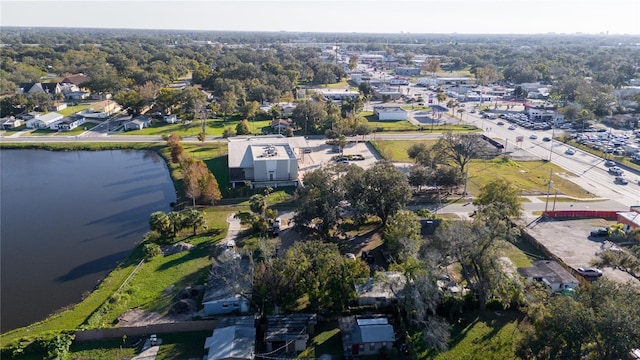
67,219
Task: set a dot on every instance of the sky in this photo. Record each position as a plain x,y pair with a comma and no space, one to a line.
360,16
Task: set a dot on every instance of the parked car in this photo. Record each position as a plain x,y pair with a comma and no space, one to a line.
307,151
620,180
600,232
546,138
589,272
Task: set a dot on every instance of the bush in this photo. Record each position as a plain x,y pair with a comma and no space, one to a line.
151,250
228,132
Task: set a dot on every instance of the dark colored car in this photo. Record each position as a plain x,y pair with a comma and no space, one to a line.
600,232
546,138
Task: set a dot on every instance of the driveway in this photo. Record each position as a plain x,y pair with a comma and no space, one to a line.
570,241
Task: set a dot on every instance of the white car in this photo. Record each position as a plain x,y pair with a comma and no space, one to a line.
616,171
570,151
533,136
512,127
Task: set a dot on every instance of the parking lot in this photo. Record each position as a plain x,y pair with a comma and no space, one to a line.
571,242
322,154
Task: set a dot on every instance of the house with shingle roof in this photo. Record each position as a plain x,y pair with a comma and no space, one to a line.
551,274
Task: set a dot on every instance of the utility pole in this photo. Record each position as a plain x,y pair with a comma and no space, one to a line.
546,205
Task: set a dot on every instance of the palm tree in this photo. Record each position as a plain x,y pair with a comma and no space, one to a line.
460,112
176,220
159,222
194,219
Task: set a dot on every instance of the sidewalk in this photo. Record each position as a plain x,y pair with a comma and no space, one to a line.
149,352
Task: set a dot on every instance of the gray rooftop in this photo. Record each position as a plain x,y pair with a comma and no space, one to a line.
549,270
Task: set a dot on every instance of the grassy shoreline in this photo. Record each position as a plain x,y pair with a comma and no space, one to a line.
78,315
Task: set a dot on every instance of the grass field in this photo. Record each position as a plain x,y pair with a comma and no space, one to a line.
490,333
73,109
532,177
213,127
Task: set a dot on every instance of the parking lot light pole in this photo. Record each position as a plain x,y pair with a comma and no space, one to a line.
546,205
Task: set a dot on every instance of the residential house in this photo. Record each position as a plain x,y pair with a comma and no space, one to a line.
39,87
383,289
75,79
57,106
171,119
288,332
287,109
137,123
281,125
68,123
29,115
550,273
390,113
265,160
11,122
365,335
76,95
630,219
232,339
44,121
228,290
101,109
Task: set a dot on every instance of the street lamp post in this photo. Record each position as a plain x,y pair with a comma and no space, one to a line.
553,133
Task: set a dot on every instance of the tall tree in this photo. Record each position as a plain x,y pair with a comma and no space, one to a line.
503,195
386,190
319,202
402,234
602,321
459,148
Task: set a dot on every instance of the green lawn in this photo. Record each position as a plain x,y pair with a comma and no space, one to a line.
105,349
213,127
396,150
73,109
325,341
522,253
485,335
532,177
187,345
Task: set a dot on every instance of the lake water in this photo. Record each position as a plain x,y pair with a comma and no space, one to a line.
67,219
